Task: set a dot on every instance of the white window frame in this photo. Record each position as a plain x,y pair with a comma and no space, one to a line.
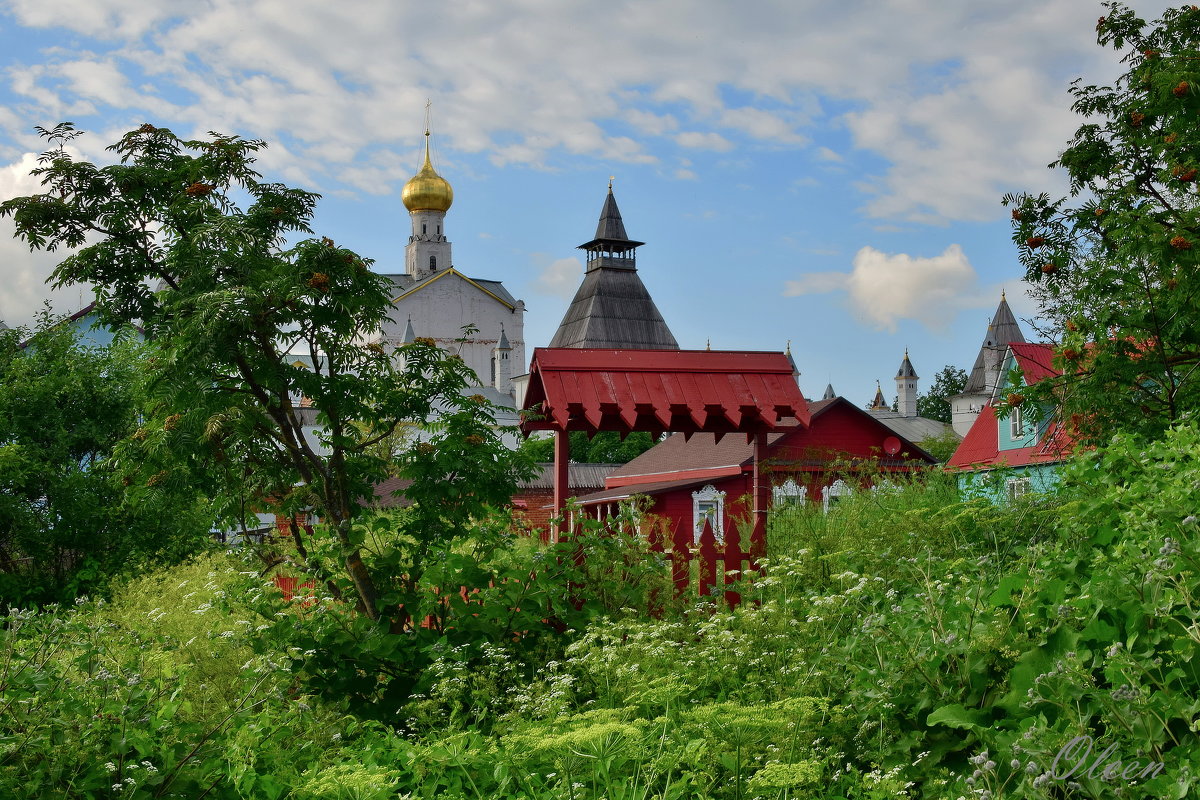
789,493
1016,488
834,492
1016,425
713,503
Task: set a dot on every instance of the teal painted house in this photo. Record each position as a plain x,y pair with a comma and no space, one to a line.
1003,459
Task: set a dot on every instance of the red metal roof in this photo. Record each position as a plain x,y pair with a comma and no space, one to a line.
790,448
980,449
1036,361
592,389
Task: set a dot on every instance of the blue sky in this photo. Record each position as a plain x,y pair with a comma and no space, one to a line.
827,173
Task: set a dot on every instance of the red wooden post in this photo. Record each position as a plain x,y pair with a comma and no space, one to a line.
681,542
562,481
762,498
708,560
732,563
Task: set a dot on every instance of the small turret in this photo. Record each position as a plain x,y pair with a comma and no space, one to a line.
879,403
502,366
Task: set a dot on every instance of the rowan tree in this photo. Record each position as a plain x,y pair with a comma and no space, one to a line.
1115,263
184,236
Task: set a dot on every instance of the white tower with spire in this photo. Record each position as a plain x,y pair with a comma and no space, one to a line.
906,388
475,318
428,197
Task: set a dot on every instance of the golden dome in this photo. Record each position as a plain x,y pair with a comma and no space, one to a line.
427,191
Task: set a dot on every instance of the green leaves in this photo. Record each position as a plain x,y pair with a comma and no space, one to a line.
67,500
271,386
955,716
1116,275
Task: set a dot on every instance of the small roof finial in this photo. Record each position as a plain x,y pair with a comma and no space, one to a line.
1002,297
611,178
707,342
788,350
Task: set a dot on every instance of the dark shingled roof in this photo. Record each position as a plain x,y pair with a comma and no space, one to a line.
612,308
906,368
679,460
1002,331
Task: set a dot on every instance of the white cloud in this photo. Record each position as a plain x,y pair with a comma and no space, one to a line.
816,283
560,278
704,141
24,290
961,101
885,288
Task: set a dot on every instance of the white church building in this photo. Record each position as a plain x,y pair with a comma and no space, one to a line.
477,318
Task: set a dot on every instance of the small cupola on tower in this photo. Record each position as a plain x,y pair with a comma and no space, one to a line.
612,308
611,247
428,197
792,361
906,388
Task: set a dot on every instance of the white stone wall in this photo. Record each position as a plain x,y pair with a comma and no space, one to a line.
440,309
964,408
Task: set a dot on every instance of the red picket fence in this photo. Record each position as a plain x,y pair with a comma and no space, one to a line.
717,564
290,586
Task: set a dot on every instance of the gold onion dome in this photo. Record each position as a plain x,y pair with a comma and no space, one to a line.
427,191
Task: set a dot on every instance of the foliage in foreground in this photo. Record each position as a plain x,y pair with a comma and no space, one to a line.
67,525
903,646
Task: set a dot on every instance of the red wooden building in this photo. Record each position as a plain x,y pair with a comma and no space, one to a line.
689,391
697,478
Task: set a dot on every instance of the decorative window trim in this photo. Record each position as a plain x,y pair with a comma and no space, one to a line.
789,493
834,492
713,503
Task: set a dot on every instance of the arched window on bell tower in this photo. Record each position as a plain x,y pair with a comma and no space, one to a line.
433,263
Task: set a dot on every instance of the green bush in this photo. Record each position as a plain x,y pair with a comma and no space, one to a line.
156,694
